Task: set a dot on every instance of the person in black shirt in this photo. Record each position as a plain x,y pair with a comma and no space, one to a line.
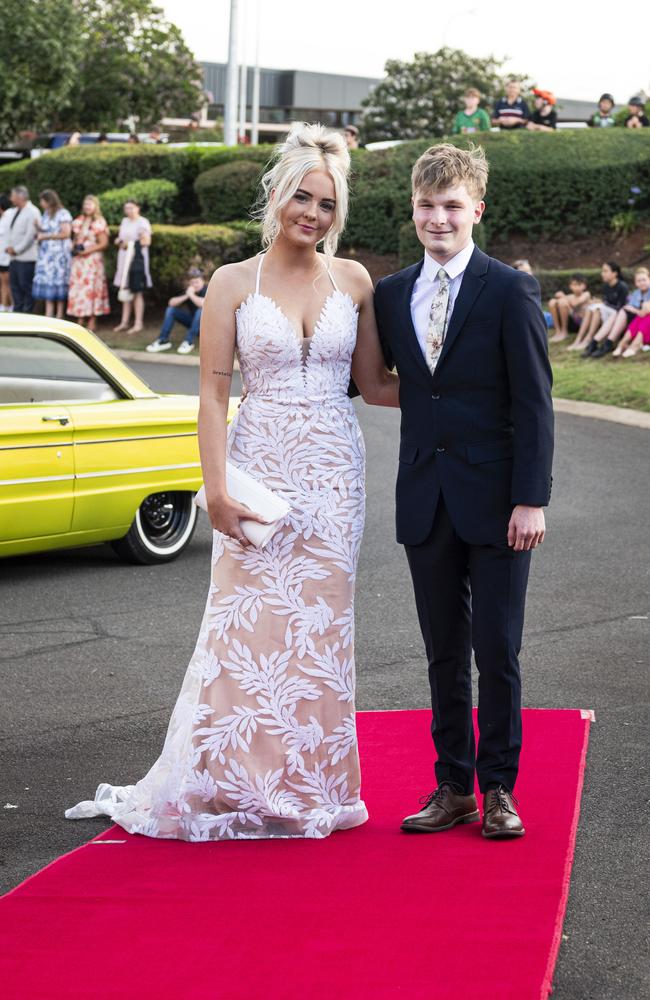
544,117
637,117
511,111
185,309
613,298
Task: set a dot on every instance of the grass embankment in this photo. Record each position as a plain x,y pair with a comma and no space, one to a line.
611,381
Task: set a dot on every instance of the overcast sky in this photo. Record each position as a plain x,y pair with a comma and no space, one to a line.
578,50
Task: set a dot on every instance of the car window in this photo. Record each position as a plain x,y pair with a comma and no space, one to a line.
37,369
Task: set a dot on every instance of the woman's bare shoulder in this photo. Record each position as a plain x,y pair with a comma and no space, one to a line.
233,282
351,276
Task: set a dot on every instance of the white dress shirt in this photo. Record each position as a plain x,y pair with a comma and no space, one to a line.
426,287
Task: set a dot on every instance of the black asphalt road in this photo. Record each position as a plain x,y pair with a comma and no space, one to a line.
93,653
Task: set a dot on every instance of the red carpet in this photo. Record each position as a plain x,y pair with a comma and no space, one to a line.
368,913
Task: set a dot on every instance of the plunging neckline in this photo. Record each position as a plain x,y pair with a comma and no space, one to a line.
300,338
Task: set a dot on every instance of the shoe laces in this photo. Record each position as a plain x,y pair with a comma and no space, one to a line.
437,795
501,794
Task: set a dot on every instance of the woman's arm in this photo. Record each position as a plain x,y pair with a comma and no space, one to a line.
217,351
145,236
376,384
63,233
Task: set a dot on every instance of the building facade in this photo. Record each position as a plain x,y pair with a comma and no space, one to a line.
288,95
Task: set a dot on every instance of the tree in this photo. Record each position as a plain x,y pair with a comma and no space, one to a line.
133,63
419,99
90,64
40,48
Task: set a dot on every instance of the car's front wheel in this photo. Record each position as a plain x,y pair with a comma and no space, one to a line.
163,526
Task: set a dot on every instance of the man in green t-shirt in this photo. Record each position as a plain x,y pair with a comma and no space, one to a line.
473,118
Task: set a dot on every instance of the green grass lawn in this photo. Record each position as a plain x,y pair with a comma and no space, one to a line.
612,381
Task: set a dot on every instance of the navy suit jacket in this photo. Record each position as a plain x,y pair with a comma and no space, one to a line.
480,430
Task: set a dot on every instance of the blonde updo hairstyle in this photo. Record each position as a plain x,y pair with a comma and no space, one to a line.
306,148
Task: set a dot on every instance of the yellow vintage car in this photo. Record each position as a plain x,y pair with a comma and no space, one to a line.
88,452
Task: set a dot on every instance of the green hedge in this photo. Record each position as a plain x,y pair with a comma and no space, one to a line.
174,249
569,183
12,174
227,191
156,197
565,184
75,172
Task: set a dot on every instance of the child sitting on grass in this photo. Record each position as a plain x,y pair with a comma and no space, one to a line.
613,297
610,332
568,309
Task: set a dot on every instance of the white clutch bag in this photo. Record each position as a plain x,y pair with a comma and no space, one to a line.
257,497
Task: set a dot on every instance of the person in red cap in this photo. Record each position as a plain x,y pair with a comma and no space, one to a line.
544,117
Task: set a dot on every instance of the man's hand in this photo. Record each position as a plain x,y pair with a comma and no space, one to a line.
526,529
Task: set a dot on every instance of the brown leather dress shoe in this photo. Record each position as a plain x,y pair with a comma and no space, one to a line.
444,808
500,816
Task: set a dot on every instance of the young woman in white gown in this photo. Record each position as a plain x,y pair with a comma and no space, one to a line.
262,739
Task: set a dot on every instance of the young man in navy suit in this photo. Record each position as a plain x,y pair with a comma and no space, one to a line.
468,338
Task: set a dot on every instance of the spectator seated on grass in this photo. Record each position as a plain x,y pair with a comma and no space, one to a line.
636,116
473,118
636,307
185,309
613,298
568,308
525,266
603,117
511,112
544,117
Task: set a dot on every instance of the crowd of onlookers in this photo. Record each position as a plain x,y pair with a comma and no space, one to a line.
512,112
616,321
47,255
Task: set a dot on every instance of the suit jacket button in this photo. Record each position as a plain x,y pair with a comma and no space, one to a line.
440,448
436,395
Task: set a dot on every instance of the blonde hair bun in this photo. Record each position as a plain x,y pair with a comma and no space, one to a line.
306,148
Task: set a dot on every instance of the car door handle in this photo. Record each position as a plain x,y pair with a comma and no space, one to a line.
62,418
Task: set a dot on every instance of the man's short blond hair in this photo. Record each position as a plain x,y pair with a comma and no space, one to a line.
446,166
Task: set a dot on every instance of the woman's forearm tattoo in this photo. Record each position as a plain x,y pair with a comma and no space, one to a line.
227,374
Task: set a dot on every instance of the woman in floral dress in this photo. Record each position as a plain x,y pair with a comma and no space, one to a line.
52,273
88,296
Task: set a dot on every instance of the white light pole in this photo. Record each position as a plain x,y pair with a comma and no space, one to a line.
230,104
255,103
243,79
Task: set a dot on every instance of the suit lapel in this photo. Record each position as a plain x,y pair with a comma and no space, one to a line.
410,276
471,285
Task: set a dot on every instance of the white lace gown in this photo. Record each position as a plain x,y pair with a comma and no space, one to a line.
262,739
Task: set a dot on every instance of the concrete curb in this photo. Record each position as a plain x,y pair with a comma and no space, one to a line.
597,411
576,408
171,358
165,359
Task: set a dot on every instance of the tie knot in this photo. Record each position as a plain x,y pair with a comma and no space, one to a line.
443,277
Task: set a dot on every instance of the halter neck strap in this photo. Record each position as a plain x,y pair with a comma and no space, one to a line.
259,274
331,276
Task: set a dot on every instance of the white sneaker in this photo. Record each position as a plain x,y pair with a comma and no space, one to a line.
158,346
185,348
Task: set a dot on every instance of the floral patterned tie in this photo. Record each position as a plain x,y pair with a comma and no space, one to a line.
437,321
